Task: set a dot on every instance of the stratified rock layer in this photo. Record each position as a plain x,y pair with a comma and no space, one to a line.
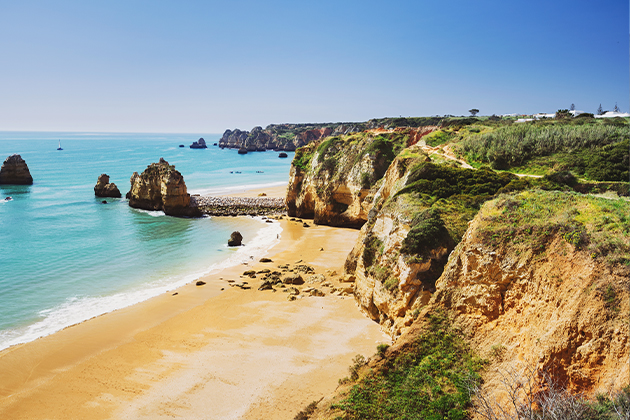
161,187
14,171
104,188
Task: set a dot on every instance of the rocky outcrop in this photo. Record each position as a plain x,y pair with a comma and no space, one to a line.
287,137
14,171
199,144
104,188
236,239
389,284
333,181
547,303
161,187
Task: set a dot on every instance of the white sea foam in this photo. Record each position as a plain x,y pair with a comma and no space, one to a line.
75,310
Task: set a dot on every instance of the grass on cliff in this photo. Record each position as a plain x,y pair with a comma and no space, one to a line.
429,380
455,195
596,225
592,150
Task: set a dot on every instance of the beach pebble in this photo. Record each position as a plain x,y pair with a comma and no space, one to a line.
293,279
317,292
200,283
265,260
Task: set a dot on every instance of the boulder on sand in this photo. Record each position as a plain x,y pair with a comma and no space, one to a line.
104,188
14,171
235,239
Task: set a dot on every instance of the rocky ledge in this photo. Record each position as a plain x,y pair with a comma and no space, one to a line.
14,171
161,187
238,206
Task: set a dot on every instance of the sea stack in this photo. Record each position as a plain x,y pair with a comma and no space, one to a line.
161,187
199,144
103,188
236,239
14,171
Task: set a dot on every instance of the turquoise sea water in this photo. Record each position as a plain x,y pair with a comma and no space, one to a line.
66,257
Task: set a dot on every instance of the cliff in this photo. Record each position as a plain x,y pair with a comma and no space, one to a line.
420,213
330,181
535,287
289,137
15,171
525,273
104,188
542,278
161,187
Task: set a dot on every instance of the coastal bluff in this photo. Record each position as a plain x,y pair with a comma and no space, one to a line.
161,187
15,171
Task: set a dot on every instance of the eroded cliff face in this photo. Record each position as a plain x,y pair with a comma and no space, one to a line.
15,171
161,187
332,181
554,303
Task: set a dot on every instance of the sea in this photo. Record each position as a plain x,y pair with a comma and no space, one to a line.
66,257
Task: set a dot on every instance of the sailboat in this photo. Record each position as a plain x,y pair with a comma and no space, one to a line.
59,148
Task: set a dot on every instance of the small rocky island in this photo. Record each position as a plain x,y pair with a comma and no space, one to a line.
161,187
199,144
14,171
104,188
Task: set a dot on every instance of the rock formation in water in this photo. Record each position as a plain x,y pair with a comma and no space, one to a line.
14,171
236,239
199,144
161,187
104,188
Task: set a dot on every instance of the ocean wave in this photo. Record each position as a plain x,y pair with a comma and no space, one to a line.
78,309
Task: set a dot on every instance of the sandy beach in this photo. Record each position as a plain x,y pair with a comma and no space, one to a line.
201,352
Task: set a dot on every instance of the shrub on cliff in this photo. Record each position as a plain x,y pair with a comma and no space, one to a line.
514,145
428,232
429,380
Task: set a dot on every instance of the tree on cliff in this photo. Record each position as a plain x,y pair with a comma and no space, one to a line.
473,112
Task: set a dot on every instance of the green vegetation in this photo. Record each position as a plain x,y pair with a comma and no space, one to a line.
439,137
372,244
427,381
443,181
428,232
599,226
302,158
514,145
307,412
381,349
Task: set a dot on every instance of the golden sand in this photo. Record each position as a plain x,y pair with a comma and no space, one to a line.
202,353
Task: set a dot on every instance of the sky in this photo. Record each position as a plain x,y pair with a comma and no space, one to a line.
205,66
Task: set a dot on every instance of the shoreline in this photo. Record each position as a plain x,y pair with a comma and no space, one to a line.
259,245
45,376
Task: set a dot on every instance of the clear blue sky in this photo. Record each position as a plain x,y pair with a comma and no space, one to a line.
204,66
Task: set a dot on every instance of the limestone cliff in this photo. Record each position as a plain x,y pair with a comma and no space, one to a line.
104,188
161,187
14,171
331,180
536,281
421,211
539,281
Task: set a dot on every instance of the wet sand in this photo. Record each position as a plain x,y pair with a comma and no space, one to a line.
202,353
